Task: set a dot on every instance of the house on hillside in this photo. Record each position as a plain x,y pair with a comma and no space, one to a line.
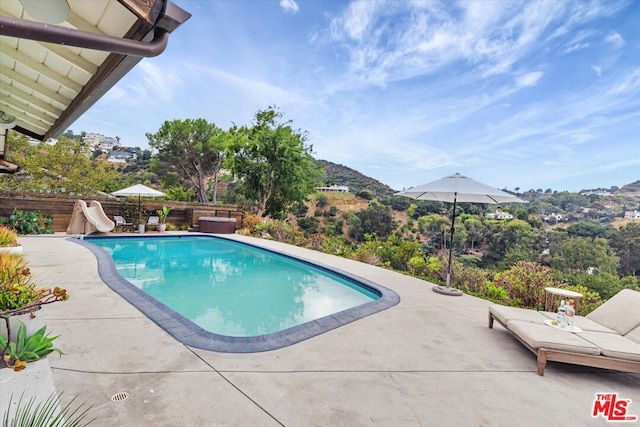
121,157
498,214
554,218
632,214
338,188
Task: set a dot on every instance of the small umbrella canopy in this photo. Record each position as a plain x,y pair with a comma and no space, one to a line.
453,189
140,191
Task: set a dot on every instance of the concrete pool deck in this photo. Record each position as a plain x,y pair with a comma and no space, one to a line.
430,360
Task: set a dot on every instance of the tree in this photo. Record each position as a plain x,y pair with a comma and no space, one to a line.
475,231
66,167
377,218
626,242
586,229
503,236
585,255
273,164
195,148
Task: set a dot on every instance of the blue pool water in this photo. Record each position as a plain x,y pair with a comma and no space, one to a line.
229,288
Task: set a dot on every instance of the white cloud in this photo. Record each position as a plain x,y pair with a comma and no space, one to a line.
528,79
615,39
289,6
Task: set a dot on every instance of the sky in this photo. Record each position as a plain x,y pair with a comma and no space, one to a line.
529,95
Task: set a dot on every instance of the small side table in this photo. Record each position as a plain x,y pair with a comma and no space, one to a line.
552,295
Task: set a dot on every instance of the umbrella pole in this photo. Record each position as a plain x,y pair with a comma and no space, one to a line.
448,290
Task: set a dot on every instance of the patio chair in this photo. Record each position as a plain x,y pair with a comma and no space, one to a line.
153,221
121,222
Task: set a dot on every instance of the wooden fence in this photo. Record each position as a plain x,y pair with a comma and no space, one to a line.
182,215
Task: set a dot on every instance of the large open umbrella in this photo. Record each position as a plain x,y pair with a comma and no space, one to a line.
140,191
453,189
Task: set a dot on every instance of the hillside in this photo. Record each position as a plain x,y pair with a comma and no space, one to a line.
336,174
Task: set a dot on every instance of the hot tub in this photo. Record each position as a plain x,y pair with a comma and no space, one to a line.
218,225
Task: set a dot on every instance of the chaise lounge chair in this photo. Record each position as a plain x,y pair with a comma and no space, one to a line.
608,337
153,221
121,222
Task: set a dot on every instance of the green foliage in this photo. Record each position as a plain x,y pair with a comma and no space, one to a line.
308,224
65,167
503,236
495,293
525,283
417,266
16,289
471,279
300,209
321,200
163,213
605,284
44,414
365,194
590,299
578,255
180,194
587,229
27,349
377,219
31,222
18,294
272,162
626,242
194,150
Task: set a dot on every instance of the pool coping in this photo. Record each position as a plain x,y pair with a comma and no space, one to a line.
188,333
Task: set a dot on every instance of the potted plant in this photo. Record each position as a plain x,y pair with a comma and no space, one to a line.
162,215
9,240
20,299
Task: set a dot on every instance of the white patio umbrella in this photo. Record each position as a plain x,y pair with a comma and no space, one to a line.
140,191
453,189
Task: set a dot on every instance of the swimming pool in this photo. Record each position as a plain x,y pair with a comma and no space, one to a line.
218,294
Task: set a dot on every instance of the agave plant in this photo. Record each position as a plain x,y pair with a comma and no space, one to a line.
27,349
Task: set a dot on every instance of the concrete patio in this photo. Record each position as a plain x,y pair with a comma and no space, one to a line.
429,361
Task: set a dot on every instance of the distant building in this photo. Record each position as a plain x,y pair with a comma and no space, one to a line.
601,192
498,214
554,217
121,157
339,188
104,143
632,214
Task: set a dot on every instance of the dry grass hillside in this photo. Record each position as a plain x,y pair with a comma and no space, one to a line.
344,203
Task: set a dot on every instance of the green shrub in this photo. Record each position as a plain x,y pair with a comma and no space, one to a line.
590,300
308,224
525,282
494,293
29,222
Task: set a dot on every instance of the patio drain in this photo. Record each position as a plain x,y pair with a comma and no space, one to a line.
119,397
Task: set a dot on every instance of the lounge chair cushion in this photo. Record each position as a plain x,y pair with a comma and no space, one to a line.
539,335
634,335
505,314
613,345
620,312
587,324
